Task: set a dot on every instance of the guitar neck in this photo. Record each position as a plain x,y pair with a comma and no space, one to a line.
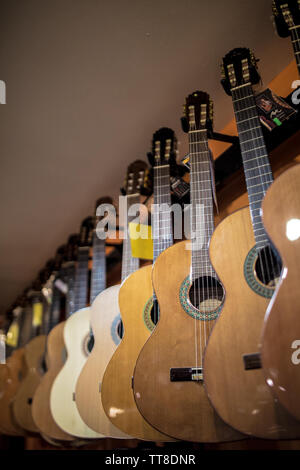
81,278
295,36
98,280
129,264
70,281
162,223
202,214
257,169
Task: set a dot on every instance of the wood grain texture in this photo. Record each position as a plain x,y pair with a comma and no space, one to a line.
116,391
62,398
241,397
12,374
104,310
282,322
180,409
41,412
22,404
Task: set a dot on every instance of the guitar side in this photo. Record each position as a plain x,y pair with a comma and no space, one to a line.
281,333
41,412
12,374
22,404
62,397
180,408
135,300
104,320
241,397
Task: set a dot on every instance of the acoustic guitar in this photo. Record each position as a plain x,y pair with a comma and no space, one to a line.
78,338
281,206
62,400
168,378
35,349
138,306
249,268
63,293
107,327
13,371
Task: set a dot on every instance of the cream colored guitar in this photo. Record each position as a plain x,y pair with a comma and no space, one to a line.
62,396
108,330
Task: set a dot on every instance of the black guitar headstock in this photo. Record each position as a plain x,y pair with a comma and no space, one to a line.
164,145
70,253
239,67
198,112
86,232
286,15
137,173
59,257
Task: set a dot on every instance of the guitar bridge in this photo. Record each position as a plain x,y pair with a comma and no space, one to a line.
186,374
252,361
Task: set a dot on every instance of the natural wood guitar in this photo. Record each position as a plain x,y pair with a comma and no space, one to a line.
281,334
107,330
168,381
249,268
136,306
55,351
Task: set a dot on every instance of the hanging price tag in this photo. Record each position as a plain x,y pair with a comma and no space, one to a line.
141,241
12,335
37,314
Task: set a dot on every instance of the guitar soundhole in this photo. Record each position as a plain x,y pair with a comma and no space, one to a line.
120,329
206,294
154,314
90,343
267,267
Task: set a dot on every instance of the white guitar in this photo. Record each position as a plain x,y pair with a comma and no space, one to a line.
77,338
107,329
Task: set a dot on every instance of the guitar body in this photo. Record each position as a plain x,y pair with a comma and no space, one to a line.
104,321
62,398
41,412
180,409
135,300
281,334
241,397
11,377
22,404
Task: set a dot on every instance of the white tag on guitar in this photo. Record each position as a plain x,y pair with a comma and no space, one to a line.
62,286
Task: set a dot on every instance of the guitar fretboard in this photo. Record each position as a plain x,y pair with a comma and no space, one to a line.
162,223
257,169
81,278
295,35
202,214
129,264
98,280
70,281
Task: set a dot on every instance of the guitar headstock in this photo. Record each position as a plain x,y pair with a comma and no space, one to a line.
164,146
59,256
86,232
286,15
70,254
198,112
137,173
239,67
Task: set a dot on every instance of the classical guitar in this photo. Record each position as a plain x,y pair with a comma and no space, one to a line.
107,327
138,306
63,295
62,400
78,338
13,371
35,349
281,210
249,268
168,381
